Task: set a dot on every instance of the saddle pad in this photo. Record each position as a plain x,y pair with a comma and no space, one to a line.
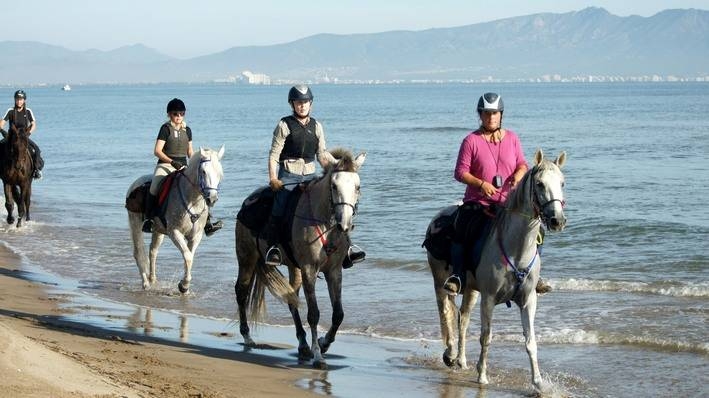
256,209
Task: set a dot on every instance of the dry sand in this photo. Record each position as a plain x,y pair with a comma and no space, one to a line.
43,356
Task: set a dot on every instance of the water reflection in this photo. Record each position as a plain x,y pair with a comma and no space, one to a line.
141,321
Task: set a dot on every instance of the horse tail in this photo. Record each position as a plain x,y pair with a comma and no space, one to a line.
272,279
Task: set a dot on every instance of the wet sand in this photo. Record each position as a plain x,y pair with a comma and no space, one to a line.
57,342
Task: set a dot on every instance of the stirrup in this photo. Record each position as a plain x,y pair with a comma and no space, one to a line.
211,228
273,256
452,285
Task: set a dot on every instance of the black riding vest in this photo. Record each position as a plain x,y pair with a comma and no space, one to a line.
301,142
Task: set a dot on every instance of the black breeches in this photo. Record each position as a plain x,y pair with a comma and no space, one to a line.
469,223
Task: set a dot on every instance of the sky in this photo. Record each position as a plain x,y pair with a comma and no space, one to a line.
186,29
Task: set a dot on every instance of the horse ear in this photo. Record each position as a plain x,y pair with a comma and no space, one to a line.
561,159
220,154
359,160
538,156
202,153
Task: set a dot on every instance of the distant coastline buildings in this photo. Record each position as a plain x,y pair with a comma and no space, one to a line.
247,77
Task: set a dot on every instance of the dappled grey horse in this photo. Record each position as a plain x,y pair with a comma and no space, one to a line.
320,241
194,189
509,266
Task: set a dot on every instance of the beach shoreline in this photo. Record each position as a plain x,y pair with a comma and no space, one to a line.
43,354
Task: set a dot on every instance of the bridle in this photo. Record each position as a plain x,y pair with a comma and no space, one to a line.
536,205
204,190
334,204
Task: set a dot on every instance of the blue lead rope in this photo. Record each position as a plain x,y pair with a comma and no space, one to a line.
520,275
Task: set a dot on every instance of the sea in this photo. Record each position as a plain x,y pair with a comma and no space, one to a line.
629,312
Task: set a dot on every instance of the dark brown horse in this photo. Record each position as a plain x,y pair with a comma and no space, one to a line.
16,173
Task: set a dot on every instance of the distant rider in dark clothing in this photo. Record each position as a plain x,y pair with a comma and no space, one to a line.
21,117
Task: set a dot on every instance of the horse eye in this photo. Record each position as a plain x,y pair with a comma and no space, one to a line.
540,184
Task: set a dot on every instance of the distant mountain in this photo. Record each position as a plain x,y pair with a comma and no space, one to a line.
590,41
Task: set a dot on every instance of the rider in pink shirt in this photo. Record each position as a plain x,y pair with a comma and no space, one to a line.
490,164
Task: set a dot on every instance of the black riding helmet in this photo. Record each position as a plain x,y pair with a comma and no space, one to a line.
300,92
176,105
20,94
491,102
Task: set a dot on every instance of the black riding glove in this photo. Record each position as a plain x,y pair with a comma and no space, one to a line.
176,164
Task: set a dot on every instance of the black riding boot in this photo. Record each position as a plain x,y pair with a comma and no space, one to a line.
455,283
211,227
272,235
37,161
149,213
354,256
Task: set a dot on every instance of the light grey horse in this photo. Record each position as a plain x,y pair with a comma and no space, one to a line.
509,266
194,189
320,242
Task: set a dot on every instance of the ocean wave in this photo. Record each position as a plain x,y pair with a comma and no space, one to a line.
576,336
663,288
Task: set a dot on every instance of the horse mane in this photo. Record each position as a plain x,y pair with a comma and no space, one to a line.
522,193
345,161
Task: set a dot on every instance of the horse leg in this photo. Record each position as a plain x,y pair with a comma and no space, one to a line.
186,248
155,242
296,280
447,311
309,276
242,290
528,313
487,305
135,221
27,195
9,206
18,195
334,287
469,299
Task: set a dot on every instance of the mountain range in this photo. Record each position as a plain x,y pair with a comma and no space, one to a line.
587,42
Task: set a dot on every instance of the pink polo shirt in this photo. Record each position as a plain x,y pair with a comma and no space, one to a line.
485,160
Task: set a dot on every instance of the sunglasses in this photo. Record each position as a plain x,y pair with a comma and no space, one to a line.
176,114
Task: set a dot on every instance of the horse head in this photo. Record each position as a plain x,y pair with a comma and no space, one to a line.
205,167
547,186
343,169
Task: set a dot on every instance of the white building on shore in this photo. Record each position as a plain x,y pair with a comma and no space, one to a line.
255,78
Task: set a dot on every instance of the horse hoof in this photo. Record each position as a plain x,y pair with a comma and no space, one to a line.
182,288
450,362
10,220
320,365
323,345
304,354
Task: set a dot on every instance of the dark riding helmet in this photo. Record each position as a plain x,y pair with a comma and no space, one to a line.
20,94
491,102
176,105
300,92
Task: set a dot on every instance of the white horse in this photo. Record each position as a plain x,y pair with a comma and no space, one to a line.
194,189
320,241
509,265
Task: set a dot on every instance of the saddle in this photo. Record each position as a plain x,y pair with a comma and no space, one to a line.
137,198
256,210
467,224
